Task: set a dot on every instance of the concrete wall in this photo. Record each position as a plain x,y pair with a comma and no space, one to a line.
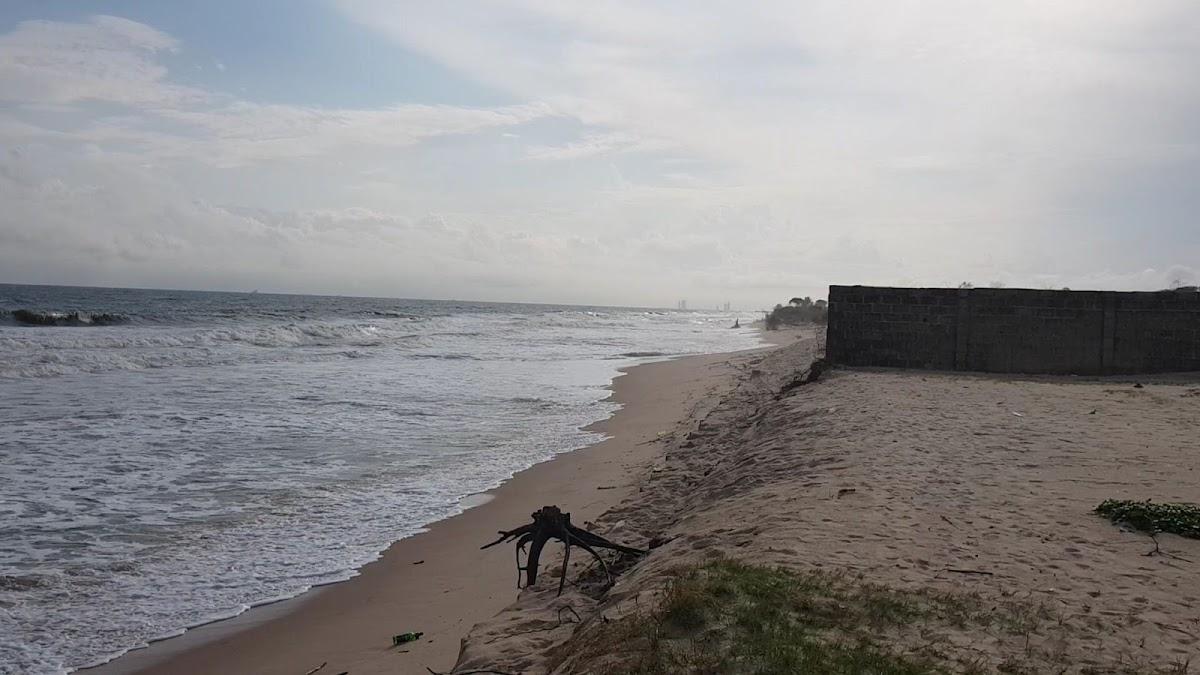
1014,330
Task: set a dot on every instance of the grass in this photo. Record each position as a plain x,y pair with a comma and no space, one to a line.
729,617
1177,518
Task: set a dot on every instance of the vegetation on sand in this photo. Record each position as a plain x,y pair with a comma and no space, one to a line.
798,311
730,617
1182,519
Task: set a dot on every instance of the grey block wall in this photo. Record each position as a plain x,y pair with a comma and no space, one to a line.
1014,330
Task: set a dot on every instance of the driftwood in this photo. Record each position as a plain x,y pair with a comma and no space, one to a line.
551,523
814,372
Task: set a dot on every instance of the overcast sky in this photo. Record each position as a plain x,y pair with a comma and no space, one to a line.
599,152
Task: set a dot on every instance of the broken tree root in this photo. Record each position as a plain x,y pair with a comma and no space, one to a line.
814,372
1159,551
551,523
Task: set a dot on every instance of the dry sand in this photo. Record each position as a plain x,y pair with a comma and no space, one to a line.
910,479
349,625
904,477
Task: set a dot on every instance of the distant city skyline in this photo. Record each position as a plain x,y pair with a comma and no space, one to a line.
618,154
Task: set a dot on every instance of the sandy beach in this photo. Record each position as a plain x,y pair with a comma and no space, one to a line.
439,582
965,485
971,486
802,338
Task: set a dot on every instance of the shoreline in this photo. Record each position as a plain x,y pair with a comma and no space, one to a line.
438,581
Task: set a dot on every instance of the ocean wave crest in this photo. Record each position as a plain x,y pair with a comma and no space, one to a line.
28,317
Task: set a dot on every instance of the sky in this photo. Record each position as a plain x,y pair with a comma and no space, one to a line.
607,152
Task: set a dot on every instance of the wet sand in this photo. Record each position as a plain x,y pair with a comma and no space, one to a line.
439,582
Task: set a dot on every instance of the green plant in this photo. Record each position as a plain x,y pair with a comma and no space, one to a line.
730,617
1180,518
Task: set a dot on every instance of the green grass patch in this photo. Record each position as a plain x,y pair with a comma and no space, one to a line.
729,617
1177,518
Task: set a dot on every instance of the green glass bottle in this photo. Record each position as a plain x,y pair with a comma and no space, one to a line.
405,637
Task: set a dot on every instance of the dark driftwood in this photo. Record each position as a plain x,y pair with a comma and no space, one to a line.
551,523
814,372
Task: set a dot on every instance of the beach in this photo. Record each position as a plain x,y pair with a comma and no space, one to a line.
978,491
439,582
264,445
975,487
353,337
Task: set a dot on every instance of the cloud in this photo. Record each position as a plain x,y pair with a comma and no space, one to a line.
645,151
110,60
243,133
594,144
106,58
960,139
130,226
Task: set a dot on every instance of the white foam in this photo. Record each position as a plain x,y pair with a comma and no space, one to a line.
186,473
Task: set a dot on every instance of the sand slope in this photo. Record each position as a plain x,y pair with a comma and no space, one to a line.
903,477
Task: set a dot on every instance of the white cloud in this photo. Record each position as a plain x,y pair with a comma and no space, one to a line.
243,133
960,138
660,149
595,144
132,227
106,59
114,61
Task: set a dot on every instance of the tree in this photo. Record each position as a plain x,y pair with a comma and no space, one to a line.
797,312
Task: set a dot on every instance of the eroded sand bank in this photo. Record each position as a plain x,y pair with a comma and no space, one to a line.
975,485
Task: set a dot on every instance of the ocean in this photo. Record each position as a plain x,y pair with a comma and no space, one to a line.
169,458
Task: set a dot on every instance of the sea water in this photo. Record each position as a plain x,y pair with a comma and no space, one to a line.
169,458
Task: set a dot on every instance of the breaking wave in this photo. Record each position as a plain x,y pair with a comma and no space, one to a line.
27,317
161,451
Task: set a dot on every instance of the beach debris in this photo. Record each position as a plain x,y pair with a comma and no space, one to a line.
958,570
485,670
846,491
1158,551
1137,385
814,372
403,638
317,668
658,542
1017,414
549,522
418,562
